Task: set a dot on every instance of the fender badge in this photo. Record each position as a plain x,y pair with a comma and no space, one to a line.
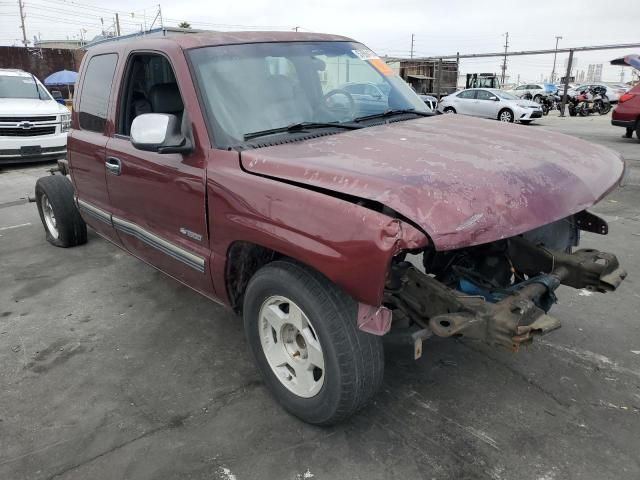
190,234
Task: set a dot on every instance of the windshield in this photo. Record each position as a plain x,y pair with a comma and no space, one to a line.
506,96
20,86
255,87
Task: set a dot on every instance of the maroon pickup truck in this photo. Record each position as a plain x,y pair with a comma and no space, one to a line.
241,166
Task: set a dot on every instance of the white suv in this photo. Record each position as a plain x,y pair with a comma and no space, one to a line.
33,126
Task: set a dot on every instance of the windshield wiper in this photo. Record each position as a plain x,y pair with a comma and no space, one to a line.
297,127
390,113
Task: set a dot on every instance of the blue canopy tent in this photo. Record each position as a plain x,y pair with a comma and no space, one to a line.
63,77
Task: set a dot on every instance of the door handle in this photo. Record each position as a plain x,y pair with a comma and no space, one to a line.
113,165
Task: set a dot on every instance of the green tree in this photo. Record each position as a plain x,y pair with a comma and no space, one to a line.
184,25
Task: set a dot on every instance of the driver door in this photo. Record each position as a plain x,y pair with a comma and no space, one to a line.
486,104
158,200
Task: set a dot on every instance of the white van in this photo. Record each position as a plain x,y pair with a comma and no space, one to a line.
33,126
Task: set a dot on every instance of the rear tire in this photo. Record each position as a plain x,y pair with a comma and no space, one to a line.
277,296
62,222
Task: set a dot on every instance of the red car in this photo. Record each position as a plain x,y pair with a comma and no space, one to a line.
627,113
236,164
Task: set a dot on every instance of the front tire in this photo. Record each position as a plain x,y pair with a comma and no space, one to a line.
506,116
303,333
449,110
62,222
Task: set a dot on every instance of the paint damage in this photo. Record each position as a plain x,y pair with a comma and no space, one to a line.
492,213
463,181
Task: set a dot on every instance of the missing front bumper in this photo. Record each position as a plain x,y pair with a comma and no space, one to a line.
519,316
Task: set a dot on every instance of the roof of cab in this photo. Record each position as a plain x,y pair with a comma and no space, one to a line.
205,39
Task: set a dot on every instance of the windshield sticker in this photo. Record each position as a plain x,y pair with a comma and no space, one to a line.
364,54
381,66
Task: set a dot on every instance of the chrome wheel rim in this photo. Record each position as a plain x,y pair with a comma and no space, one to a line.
291,346
49,217
505,117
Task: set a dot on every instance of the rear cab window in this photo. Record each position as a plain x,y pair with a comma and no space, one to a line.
96,89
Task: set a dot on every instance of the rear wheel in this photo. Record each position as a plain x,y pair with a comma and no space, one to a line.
505,115
62,222
303,333
449,110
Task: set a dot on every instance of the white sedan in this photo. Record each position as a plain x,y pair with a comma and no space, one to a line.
490,103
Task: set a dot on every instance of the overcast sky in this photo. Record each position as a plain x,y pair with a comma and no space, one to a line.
440,27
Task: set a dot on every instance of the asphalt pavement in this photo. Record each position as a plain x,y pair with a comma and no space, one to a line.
111,370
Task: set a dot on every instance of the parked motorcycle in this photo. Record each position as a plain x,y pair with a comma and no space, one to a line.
548,102
593,100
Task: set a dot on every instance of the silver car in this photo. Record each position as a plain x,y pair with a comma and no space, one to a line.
490,103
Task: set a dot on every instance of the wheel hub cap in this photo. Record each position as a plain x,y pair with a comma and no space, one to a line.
49,217
291,346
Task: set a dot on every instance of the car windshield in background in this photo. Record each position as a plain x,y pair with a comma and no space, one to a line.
253,88
20,86
506,96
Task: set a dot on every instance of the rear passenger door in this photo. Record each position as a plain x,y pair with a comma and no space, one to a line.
158,200
465,102
87,141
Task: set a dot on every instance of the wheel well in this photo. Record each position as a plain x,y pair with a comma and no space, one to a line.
505,108
448,108
244,259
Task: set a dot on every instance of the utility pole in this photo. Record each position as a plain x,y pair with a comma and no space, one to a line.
117,24
160,15
621,74
412,44
566,83
555,54
504,62
24,30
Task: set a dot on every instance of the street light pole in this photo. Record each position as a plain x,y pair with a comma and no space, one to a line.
555,54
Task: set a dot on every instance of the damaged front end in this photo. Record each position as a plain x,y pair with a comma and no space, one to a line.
499,292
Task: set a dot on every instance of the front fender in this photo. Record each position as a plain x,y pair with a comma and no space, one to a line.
348,243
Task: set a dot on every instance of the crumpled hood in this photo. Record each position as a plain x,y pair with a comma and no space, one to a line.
465,181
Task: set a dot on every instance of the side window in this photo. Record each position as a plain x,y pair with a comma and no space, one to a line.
467,94
149,86
96,88
484,95
521,87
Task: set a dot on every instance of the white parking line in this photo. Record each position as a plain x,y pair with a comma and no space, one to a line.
15,226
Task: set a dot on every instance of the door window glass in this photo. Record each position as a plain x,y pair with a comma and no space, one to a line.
96,88
484,95
150,86
467,94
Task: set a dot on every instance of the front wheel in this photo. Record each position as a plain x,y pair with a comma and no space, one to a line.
449,110
303,333
62,222
506,116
